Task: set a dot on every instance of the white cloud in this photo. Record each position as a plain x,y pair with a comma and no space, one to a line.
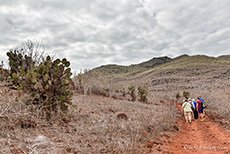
91,33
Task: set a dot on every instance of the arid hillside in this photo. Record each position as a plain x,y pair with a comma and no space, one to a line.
123,109
132,70
201,75
184,72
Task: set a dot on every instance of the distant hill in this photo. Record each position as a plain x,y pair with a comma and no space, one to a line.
121,71
164,74
154,62
181,56
224,57
161,63
191,61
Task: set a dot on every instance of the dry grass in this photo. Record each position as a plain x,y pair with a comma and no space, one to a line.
94,127
19,124
107,133
210,82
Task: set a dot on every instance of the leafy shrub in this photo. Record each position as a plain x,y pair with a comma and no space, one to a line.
132,92
178,96
186,94
48,82
142,93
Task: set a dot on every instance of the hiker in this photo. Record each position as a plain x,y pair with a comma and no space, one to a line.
203,102
193,107
187,108
199,108
195,112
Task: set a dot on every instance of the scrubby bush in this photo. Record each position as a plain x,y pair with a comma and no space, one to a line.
142,93
177,95
186,94
132,92
48,82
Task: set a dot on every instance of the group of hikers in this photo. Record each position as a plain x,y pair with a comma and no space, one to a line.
193,109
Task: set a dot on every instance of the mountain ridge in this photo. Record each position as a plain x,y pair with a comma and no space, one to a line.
182,61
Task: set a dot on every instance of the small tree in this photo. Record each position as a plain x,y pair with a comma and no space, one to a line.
178,96
48,82
22,59
186,94
87,80
142,93
132,92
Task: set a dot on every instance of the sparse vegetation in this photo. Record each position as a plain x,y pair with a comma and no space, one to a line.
178,96
132,92
142,93
94,126
132,70
186,94
47,82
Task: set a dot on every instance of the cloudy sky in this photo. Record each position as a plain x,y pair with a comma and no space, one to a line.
91,33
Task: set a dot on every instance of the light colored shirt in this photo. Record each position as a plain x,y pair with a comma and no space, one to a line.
187,107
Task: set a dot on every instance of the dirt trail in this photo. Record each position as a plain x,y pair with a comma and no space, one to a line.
197,138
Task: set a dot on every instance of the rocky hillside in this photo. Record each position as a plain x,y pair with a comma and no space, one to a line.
193,73
224,57
162,63
166,74
132,70
186,72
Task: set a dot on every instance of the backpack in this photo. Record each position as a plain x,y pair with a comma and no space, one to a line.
203,105
192,105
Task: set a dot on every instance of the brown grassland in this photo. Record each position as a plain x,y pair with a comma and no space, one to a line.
106,120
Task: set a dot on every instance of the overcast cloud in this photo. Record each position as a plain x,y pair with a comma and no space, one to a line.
91,33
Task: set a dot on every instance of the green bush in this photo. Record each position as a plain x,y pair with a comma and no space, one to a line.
19,65
48,83
186,94
132,92
178,96
142,93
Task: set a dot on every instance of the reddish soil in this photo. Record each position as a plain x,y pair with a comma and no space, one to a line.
196,138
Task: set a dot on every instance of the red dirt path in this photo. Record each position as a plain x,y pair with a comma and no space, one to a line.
197,138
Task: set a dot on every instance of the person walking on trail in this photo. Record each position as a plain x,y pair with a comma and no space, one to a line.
187,108
193,107
199,108
203,108
195,112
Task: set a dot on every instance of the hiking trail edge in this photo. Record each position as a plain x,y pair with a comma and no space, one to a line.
196,138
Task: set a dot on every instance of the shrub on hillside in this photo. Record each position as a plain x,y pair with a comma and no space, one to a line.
132,92
48,82
142,93
177,95
186,94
